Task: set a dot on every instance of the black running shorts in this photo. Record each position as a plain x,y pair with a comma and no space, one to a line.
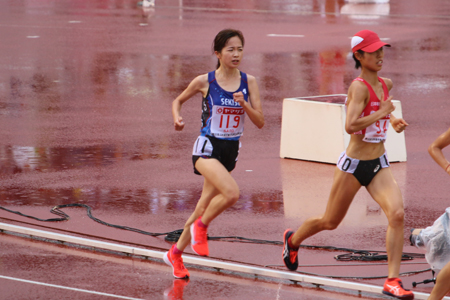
363,170
225,151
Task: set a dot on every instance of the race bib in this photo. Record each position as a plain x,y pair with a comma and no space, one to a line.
376,132
227,121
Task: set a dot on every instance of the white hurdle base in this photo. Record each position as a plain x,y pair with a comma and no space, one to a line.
200,261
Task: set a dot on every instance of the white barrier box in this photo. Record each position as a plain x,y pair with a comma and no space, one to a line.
313,128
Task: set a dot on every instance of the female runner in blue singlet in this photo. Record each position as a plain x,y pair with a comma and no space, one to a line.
228,96
364,162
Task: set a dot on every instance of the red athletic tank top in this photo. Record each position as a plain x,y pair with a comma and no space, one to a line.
376,132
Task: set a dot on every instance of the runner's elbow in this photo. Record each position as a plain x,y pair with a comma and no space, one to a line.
259,121
350,129
260,124
432,149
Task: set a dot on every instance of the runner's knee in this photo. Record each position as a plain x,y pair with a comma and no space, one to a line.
231,196
330,224
396,217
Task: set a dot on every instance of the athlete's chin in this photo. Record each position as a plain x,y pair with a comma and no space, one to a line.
376,69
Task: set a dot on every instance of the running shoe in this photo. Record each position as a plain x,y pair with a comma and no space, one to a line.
290,257
176,262
199,239
394,288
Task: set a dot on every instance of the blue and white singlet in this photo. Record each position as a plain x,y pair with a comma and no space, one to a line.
222,117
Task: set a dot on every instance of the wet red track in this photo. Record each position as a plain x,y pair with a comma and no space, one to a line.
85,97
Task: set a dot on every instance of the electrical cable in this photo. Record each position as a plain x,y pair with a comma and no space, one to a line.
367,256
65,217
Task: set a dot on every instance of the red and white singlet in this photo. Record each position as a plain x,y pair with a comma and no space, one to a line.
376,132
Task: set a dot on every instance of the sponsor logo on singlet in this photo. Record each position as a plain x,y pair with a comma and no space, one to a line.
228,102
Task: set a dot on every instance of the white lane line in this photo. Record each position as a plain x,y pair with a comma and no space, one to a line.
285,35
68,288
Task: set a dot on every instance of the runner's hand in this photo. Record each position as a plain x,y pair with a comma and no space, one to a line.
387,105
179,124
399,124
239,98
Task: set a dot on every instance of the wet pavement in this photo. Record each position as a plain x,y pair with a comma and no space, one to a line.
85,117
47,267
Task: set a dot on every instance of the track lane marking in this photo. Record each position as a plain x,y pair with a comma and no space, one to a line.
67,288
285,35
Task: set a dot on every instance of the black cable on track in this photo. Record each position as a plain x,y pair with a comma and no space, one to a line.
65,217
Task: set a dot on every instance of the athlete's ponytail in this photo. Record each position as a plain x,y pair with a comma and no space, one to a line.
222,38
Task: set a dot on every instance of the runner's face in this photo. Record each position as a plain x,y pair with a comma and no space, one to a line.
373,60
231,54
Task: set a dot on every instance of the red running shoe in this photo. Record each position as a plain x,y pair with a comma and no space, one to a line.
176,262
394,287
199,239
290,256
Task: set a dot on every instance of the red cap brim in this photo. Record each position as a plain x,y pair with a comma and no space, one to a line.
375,46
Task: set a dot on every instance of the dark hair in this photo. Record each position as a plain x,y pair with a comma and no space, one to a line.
222,38
357,62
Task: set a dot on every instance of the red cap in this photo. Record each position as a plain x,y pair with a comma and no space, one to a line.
367,41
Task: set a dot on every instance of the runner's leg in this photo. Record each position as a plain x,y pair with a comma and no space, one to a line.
344,188
208,193
386,193
442,286
228,190
220,191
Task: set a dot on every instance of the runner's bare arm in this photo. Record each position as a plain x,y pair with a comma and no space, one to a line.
199,84
398,124
358,95
253,108
435,150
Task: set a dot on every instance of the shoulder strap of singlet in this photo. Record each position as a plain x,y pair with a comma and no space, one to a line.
365,82
211,76
244,77
385,88
383,84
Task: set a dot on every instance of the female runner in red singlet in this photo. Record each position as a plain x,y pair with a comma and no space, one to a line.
364,162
